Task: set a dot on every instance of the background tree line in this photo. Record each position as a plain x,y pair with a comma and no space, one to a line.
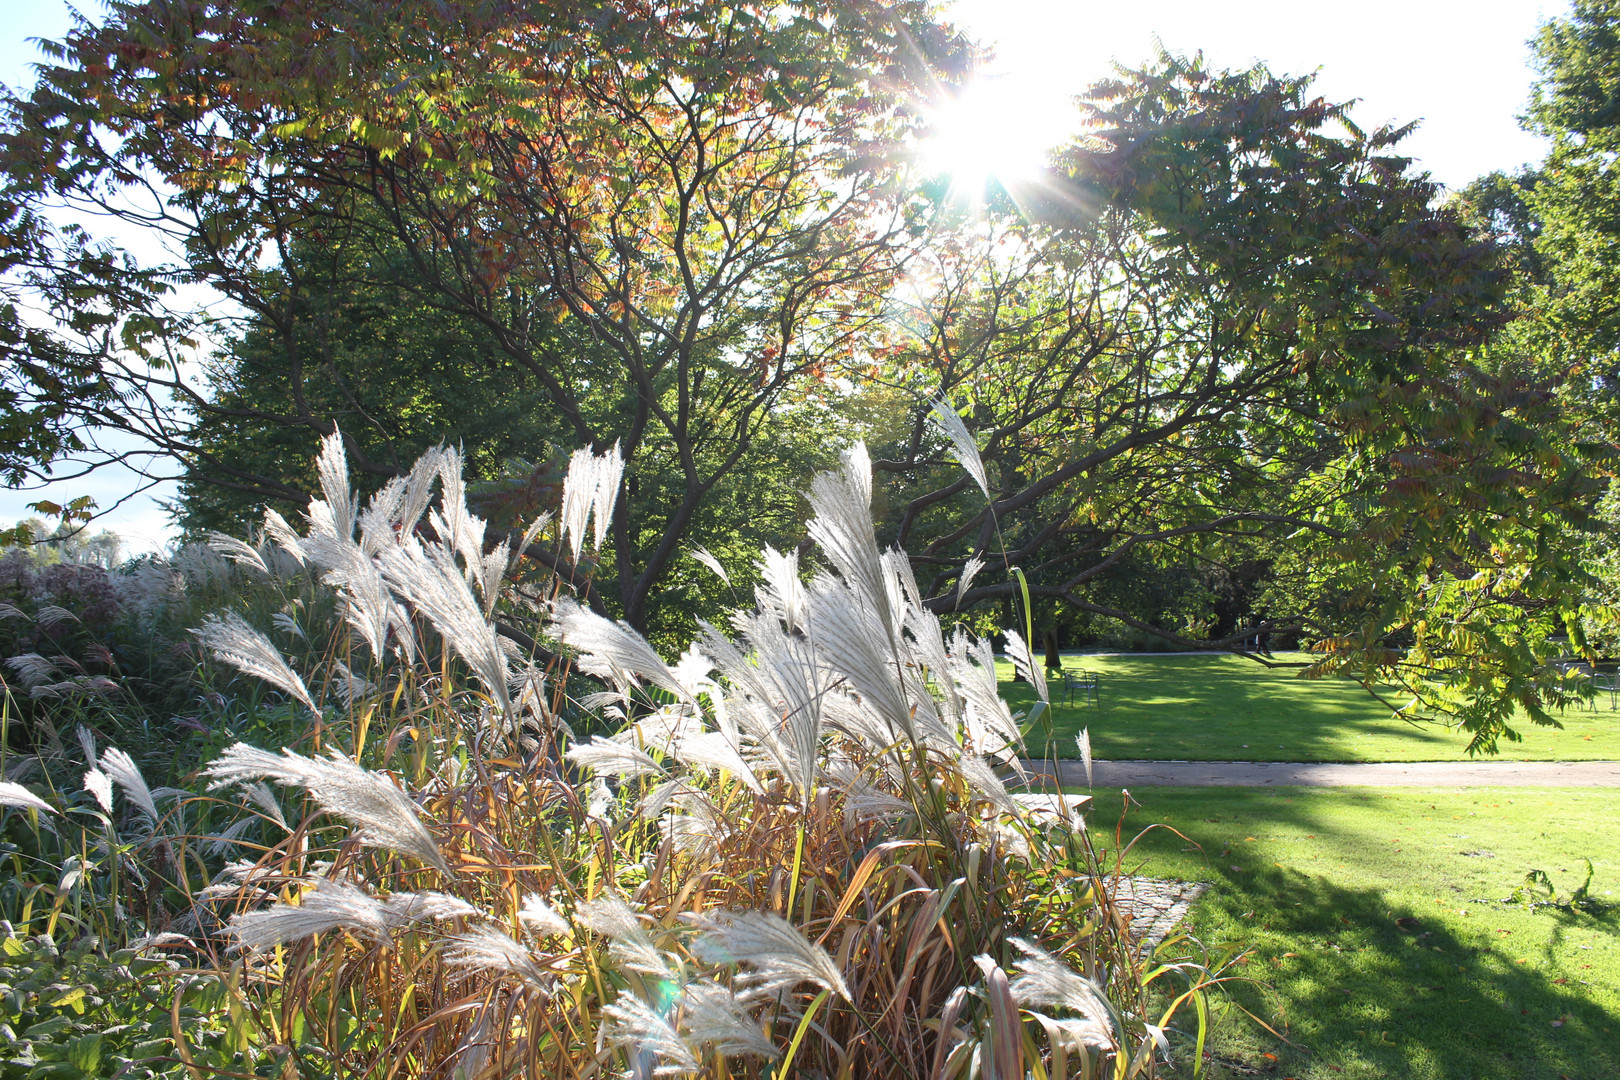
1233,366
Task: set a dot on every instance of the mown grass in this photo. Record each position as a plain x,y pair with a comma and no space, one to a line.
1311,883
1226,708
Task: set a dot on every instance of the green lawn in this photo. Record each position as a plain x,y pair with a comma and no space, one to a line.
1226,708
1311,883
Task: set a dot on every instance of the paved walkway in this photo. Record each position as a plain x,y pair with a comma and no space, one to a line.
1322,774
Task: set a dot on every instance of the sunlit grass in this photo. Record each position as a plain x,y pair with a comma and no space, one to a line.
1312,881
1226,708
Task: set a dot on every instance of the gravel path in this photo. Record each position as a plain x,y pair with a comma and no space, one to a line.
1324,774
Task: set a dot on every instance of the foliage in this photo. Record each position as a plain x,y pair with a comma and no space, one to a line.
77,1012
1236,341
664,220
1576,195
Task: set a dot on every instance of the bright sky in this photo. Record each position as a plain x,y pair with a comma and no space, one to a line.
1461,67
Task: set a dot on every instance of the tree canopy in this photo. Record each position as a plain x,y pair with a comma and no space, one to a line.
1230,333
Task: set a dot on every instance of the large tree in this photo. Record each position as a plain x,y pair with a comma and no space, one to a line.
664,218
1235,334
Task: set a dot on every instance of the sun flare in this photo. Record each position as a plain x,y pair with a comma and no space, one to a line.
987,130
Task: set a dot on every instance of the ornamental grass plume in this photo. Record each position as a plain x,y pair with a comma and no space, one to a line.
231,638
385,815
963,446
322,906
776,955
14,794
653,1045
491,951
123,771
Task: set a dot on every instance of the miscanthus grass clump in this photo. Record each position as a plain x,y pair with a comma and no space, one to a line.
807,849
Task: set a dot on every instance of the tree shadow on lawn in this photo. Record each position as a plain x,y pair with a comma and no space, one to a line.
1202,707
1361,995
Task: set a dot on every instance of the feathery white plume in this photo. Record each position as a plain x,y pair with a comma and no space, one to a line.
1083,740
630,946
964,449
706,557
16,795
324,905
339,507
1024,663
377,519
287,624
978,773
609,472
418,490
842,527
780,589
1043,979
712,1015
50,616
238,551
33,669
780,957
611,650
430,579
591,488
540,917
285,536
99,784
970,570
404,908
484,948
385,814
633,1024
123,771
611,758
231,639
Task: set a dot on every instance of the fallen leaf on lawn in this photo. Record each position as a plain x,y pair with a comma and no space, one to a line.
1561,982
1272,1057
1248,839
1521,961
1286,954
1406,922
